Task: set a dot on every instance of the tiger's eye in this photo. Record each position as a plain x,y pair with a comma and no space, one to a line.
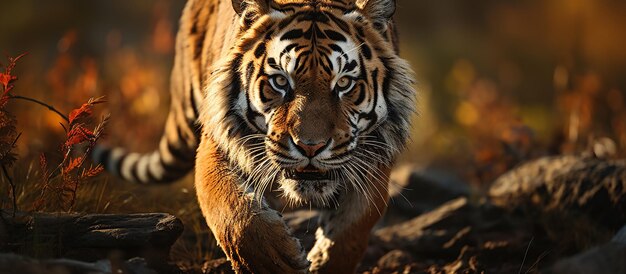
281,81
344,82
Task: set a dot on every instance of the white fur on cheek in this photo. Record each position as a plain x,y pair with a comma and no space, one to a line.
352,16
277,15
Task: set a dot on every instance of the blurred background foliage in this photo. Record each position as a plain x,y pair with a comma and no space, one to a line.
500,81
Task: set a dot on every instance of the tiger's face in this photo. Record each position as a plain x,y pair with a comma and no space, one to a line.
315,81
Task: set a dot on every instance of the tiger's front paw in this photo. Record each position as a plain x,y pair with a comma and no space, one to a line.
265,245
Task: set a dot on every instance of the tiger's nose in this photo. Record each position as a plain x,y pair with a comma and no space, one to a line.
310,148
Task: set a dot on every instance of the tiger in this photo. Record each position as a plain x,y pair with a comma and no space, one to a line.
304,99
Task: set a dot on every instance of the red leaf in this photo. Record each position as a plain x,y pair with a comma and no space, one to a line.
83,111
73,164
6,79
93,171
77,135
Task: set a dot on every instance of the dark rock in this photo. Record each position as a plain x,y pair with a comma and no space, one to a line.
457,236
465,263
620,237
217,266
561,193
13,263
303,224
572,185
95,236
609,258
429,232
415,190
395,259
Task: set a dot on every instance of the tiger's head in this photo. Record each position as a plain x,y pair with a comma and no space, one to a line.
312,96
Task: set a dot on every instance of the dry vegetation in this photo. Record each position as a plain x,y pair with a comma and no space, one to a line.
71,183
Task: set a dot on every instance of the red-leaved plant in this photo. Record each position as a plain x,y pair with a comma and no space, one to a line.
60,185
8,133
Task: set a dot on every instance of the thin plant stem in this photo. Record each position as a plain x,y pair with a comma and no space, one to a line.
6,174
10,180
51,108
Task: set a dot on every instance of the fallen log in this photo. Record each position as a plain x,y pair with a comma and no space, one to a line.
92,237
13,263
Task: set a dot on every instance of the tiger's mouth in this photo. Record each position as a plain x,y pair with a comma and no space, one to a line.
309,186
309,173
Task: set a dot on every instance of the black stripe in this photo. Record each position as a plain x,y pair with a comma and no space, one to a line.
199,43
194,106
393,114
304,66
298,62
335,35
134,170
340,23
118,165
290,47
104,158
329,62
350,66
249,72
366,51
336,48
286,22
264,99
173,167
236,82
371,116
361,95
152,177
359,31
292,34
179,154
325,67
260,49
314,16
272,63
323,49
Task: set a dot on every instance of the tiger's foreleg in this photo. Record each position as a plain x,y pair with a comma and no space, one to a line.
343,234
253,236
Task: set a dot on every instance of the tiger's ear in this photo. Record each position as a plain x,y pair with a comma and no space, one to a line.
379,11
251,6
250,10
